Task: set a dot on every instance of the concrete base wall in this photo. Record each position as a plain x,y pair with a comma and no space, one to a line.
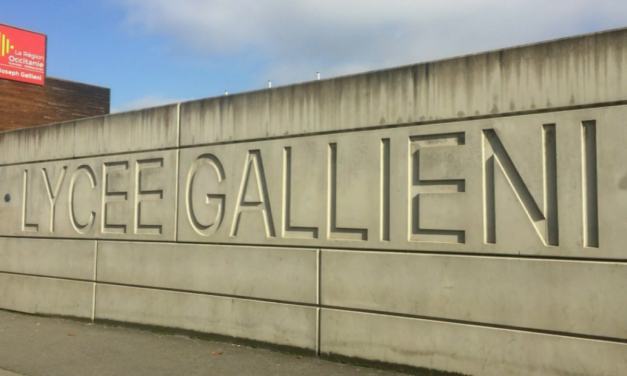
412,216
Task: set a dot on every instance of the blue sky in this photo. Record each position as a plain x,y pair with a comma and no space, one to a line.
151,52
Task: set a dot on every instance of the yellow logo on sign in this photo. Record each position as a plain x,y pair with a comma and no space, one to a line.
6,44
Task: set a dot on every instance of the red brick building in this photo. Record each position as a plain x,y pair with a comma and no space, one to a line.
26,105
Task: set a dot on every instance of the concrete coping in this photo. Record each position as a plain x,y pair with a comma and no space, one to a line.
568,73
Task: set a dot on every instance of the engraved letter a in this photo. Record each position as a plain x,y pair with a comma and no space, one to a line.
253,194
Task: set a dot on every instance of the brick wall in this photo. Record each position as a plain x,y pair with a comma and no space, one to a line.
26,105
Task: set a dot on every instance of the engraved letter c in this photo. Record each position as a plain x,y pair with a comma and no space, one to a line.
81,228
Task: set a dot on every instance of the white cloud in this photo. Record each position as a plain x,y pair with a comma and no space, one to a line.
295,38
145,102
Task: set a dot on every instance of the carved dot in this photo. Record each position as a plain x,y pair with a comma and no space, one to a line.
7,197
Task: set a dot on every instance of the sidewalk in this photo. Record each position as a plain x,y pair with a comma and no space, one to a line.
37,346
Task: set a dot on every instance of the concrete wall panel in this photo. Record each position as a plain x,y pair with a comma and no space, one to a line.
514,185
148,129
46,296
121,197
544,193
54,141
467,349
284,274
275,323
562,73
54,258
561,296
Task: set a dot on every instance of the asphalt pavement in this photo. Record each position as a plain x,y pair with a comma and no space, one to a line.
42,346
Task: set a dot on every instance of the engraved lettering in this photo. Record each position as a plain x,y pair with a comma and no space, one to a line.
53,194
432,188
495,154
112,197
289,231
253,194
146,196
215,200
333,231
80,227
385,190
26,226
590,195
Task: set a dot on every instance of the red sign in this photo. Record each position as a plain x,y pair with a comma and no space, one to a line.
22,55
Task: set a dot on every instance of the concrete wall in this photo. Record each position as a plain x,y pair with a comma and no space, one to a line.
467,215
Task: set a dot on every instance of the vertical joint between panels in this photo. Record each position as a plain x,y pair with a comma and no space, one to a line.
177,193
177,171
93,303
178,125
318,298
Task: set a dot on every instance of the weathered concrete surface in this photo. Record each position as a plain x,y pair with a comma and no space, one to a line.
281,324
562,73
8,373
555,295
119,196
468,215
36,346
466,349
46,296
509,186
285,274
53,258
155,128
